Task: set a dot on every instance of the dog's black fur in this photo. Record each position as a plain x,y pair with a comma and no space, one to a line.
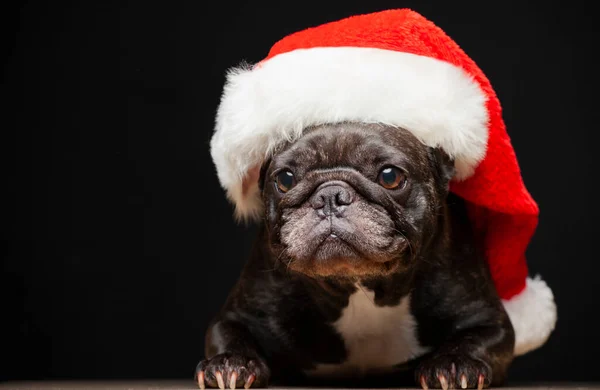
414,239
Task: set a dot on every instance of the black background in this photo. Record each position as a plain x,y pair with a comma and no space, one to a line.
119,242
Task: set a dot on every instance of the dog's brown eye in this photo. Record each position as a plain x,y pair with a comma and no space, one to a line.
391,178
285,181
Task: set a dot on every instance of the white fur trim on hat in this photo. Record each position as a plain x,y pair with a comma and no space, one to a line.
271,103
532,314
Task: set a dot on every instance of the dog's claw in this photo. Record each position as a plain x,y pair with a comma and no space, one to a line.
249,381
233,380
480,382
220,382
201,384
443,382
424,383
463,381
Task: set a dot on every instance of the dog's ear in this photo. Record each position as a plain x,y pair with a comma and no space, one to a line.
443,168
263,172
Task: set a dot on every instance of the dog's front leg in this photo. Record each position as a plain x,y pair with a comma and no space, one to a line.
232,359
475,357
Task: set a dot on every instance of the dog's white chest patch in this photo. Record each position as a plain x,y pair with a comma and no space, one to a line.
376,338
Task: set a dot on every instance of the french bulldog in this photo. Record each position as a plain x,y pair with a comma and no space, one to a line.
365,271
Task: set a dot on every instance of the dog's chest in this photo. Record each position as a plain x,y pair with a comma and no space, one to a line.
376,338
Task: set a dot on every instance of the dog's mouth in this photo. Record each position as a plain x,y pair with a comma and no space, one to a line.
335,238
332,245
338,248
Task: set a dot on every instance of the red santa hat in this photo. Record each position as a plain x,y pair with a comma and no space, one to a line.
398,68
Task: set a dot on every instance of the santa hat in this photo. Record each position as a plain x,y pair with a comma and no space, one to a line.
393,67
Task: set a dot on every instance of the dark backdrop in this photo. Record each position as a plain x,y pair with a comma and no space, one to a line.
119,242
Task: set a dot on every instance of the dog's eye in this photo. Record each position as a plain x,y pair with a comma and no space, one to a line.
285,181
391,178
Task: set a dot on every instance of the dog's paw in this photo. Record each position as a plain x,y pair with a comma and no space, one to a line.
232,371
453,371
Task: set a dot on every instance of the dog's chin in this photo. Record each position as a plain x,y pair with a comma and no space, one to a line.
336,257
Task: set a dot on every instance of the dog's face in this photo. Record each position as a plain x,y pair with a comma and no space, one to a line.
353,200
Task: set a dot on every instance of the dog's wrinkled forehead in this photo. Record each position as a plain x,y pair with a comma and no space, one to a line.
365,146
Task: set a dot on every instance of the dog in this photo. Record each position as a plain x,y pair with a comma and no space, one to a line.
365,271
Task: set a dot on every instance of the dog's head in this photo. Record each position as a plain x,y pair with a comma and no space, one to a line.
353,200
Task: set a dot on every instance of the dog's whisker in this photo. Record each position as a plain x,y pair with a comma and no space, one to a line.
275,263
287,269
366,295
288,263
410,247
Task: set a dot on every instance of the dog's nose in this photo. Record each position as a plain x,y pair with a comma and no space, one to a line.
331,200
